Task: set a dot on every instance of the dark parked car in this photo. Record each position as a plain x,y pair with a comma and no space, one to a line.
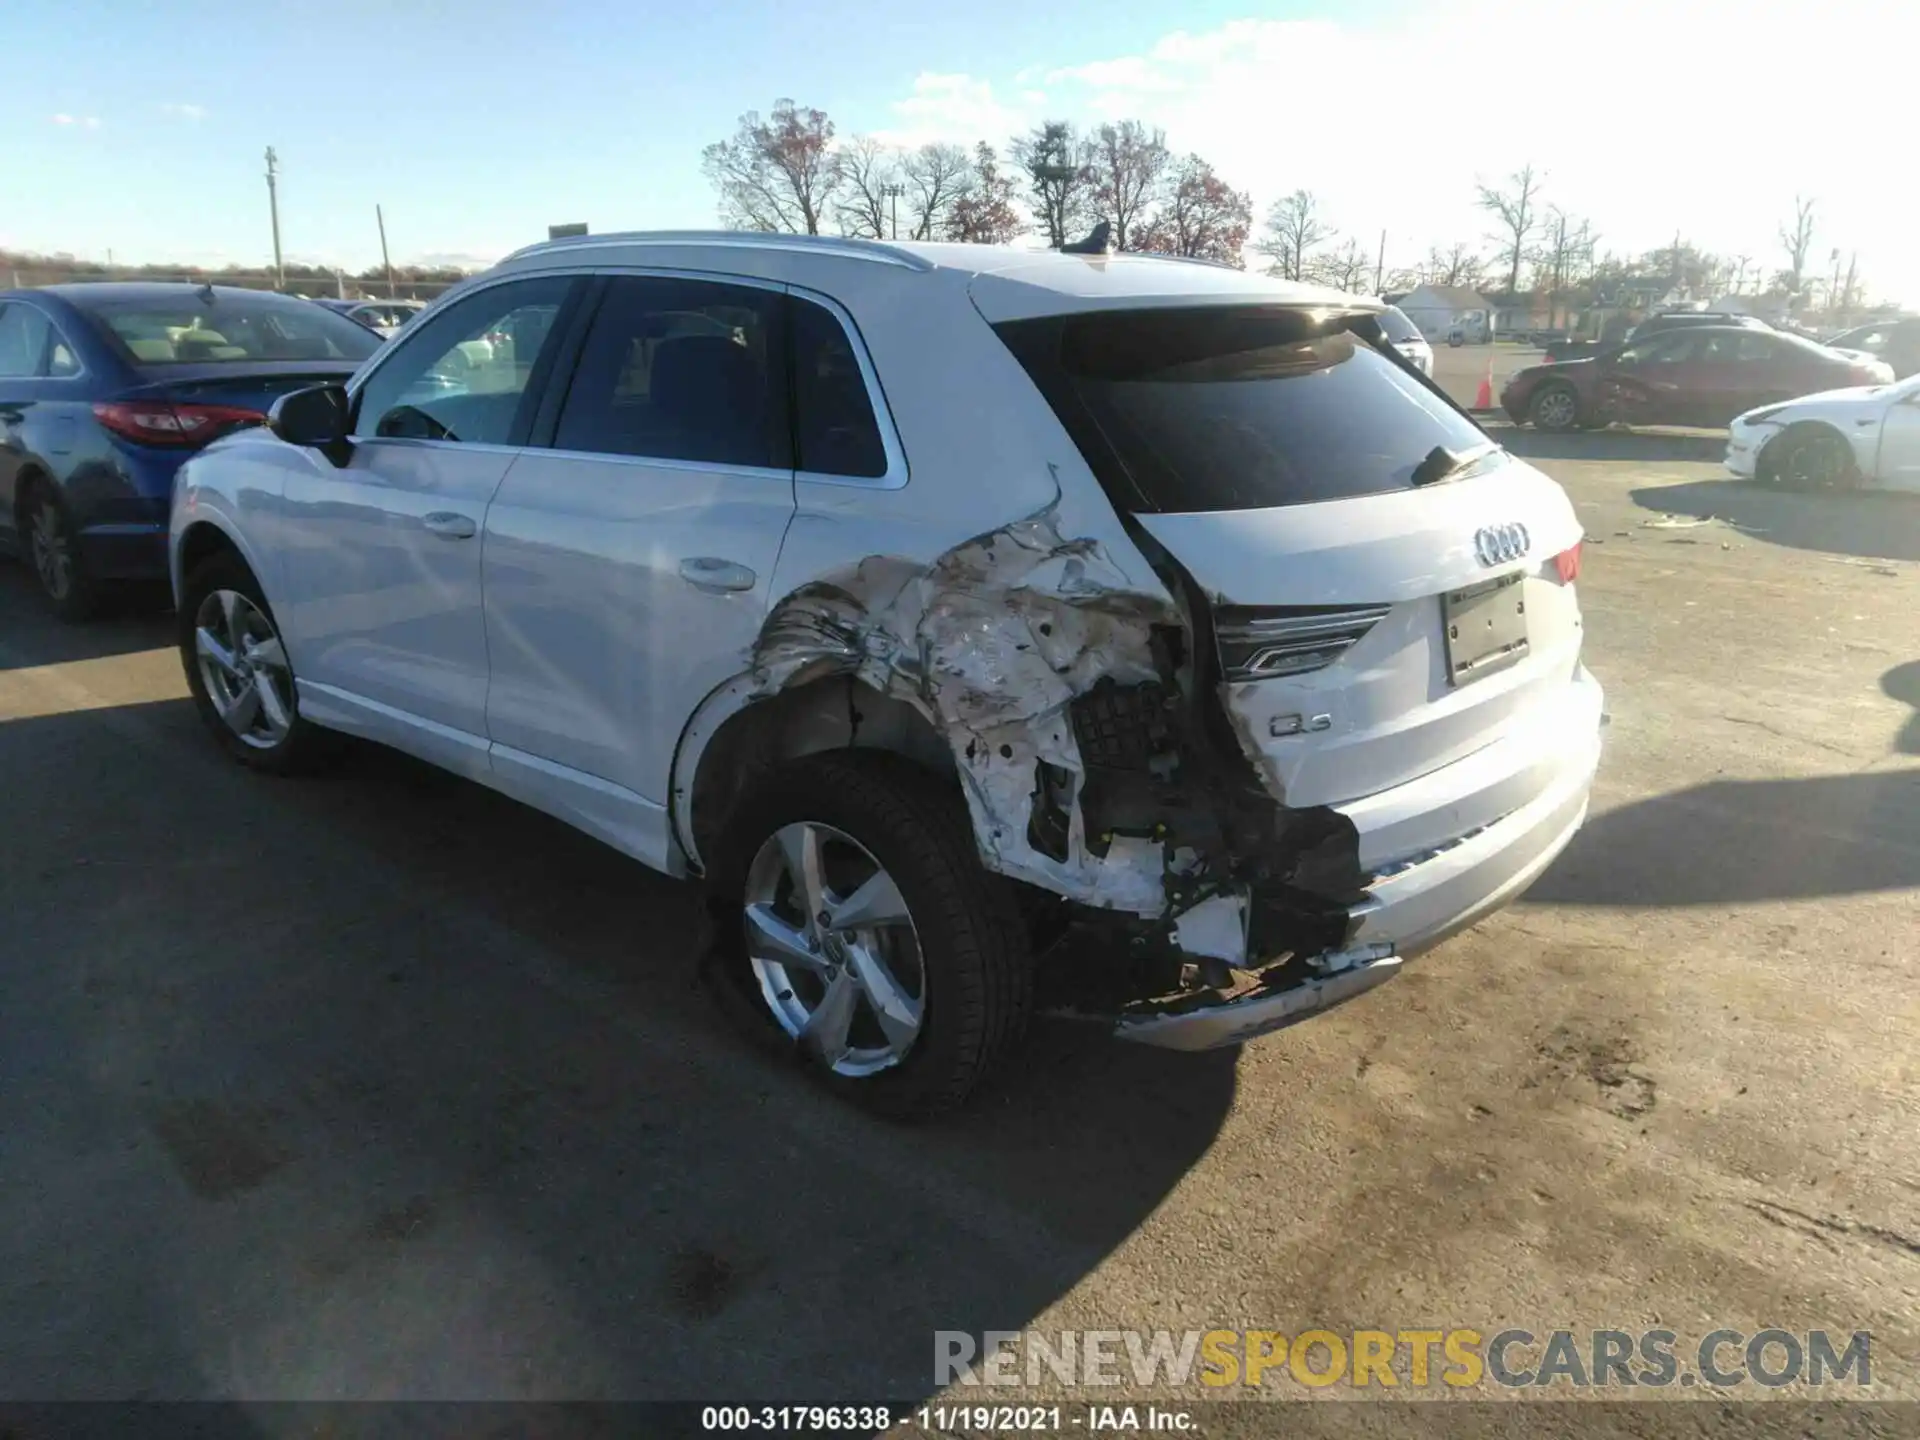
1688,319
1693,375
1895,341
105,389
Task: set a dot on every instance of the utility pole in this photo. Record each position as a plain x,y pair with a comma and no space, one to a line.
386,263
1833,290
892,192
1380,266
273,205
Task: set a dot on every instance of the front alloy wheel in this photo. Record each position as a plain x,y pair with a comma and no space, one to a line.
244,668
834,950
1555,408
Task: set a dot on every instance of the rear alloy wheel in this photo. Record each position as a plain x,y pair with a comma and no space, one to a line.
857,925
1810,460
1555,407
834,950
238,671
55,552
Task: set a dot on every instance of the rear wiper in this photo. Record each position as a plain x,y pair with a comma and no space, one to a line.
1442,463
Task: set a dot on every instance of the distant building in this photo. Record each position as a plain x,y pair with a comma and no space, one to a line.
1441,309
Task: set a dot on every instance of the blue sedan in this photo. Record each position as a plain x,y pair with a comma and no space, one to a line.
105,389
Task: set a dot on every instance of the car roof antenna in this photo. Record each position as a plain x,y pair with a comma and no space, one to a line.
205,292
1098,242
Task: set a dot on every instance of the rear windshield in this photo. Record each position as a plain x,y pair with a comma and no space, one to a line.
231,329
1235,409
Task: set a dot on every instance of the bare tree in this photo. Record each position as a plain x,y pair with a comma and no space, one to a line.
1517,207
1130,163
935,177
1059,171
869,172
1202,217
779,173
1797,241
1349,268
984,212
1292,232
1564,254
1458,264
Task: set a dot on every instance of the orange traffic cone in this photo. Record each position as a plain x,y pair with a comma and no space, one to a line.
1483,397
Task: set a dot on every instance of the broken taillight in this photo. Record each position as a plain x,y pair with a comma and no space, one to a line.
1567,563
1260,644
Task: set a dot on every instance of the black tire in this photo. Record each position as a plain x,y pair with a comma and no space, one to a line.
51,545
973,943
1548,411
305,746
1808,458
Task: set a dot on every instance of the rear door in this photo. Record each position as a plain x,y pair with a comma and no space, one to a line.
628,555
1375,617
378,594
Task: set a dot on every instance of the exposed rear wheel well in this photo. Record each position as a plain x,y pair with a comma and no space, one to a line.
200,544
835,713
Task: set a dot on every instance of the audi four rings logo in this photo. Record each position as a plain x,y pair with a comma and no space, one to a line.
1497,544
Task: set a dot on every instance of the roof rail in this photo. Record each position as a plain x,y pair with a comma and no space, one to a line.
843,246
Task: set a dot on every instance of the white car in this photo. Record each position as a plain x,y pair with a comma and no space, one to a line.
1867,436
927,602
1405,337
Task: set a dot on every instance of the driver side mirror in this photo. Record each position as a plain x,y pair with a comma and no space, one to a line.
317,417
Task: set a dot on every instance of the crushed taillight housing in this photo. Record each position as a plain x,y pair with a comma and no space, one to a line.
1262,644
173,424
1567,563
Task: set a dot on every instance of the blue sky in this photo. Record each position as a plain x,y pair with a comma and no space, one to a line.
141,129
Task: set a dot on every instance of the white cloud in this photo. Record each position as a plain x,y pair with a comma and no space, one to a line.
958,108
184,112
85,122
1392,125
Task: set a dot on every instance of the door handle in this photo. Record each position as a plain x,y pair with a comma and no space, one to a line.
710,572
449,525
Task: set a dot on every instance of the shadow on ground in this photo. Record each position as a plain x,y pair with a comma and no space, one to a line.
1902,683
1648,447
378,1085
1734,841
136,618
1869,525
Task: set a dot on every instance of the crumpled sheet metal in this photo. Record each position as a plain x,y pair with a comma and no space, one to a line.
992,642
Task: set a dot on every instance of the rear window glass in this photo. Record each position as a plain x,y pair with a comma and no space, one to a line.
1241,409
231,329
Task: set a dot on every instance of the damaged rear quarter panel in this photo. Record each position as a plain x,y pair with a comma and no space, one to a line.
991,639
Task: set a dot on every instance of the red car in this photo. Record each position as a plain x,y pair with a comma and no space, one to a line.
1702,375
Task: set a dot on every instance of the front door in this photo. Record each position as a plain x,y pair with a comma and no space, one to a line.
378,594
627,563
1642,384
1899,461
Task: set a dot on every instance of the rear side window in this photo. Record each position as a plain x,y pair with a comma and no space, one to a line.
688,370
24,333
834,429
230,329
1234,409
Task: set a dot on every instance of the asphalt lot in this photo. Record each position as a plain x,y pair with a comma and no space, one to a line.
379,1085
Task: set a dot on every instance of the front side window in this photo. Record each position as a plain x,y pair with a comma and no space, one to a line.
687,370
464,376
23,342
1235,409
229,329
